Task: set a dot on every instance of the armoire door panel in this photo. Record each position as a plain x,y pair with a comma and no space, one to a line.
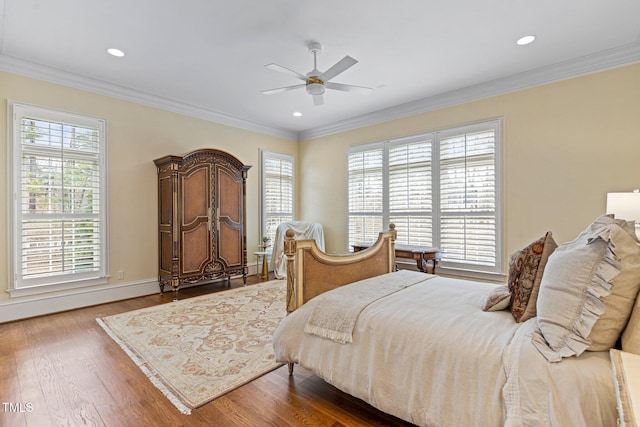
229,195
230,244
195,194
195,249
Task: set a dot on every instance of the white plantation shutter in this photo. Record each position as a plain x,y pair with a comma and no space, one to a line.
277,191
365,195
440,189
410,192
58,214
468,197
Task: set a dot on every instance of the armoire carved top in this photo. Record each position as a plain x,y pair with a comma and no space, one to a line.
204,155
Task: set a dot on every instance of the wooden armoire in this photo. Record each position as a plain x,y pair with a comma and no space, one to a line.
201,218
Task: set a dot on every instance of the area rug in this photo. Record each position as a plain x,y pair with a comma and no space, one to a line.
199,348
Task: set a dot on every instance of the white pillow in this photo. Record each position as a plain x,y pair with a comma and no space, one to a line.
577,275
619,304
498,299
631,334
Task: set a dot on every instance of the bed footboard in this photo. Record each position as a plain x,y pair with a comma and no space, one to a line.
311,271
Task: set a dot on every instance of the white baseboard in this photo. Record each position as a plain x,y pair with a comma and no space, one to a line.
24,308
38,306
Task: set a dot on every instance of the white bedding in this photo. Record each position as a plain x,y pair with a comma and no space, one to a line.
429,354
335,313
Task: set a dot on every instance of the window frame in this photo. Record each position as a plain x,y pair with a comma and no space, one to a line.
17,286
265,155
495,272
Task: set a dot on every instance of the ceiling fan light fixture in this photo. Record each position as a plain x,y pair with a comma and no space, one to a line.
315,88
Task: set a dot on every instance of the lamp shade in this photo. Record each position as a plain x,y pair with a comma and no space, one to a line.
624,205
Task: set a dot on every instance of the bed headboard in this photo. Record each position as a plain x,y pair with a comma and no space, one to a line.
311,271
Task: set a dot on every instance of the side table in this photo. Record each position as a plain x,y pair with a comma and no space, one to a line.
265,271
422,255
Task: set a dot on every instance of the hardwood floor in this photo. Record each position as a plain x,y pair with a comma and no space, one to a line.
63,370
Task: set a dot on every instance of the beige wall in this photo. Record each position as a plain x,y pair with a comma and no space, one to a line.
136,136
566,145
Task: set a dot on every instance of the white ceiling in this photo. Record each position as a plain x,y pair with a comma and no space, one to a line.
206,58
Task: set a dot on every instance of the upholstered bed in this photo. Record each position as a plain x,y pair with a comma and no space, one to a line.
424,348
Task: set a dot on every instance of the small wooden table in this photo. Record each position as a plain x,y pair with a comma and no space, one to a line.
265,271
426,257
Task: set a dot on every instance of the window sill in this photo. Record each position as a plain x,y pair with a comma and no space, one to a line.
457,272
54,287
472,274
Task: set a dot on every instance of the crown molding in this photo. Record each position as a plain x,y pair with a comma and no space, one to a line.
52,75
600,61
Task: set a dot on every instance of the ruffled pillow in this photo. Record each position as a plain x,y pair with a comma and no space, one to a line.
577,276
631,334
619,304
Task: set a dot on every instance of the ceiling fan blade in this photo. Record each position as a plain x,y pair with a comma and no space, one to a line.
349,88
340,66
282,89
281,69
318,100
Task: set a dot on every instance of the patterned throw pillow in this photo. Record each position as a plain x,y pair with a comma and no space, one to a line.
525,274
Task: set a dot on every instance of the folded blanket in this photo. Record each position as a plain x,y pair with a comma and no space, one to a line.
335,313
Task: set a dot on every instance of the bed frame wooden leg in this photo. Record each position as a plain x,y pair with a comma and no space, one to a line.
290,366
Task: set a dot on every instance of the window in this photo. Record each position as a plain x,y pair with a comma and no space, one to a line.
365,194
58,212
439,189
277,191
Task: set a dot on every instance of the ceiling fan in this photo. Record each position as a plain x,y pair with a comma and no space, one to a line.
316,81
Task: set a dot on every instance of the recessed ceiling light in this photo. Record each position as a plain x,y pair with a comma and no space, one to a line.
297,114
525,40
115,52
